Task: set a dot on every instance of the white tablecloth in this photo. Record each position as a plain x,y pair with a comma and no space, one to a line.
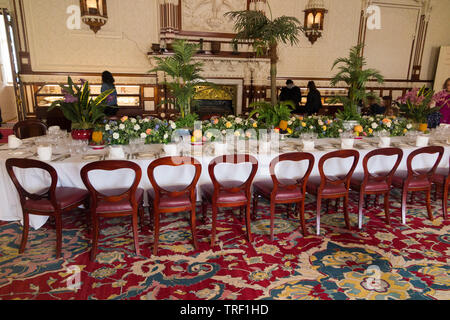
69,173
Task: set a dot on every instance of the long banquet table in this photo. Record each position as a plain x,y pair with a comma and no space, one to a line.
69,172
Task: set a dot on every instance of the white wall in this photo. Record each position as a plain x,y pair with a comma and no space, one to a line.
120,46
7,96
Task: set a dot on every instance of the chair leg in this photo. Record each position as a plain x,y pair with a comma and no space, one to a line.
95,234
445,200
377,200
26,228
255,206
156,231
404,199
346,217
338,202
272,218
360,209
386,208
134,219
58,223
213,225
430,212
318,207
301,207
248,222
194,228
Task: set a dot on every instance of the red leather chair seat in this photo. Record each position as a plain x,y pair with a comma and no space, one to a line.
65,197
119,206
400,177
172,202
357,180
440,176
225,196
265,188
313,185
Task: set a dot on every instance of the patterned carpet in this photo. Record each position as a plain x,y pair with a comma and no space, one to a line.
379,262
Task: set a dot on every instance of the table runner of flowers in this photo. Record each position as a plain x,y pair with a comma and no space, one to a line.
157,131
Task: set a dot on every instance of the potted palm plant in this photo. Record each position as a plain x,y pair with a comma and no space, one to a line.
265,34
352,73
184,75
81,109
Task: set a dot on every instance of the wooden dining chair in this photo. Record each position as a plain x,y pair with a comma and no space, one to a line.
332,187
441,179
284,191
52,201
229,193
29,128
114,202
176,198
411,180
377,183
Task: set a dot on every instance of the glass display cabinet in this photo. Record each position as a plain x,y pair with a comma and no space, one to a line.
127,95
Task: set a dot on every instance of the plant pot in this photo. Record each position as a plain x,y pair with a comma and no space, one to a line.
350,124
215,47
283,125
81,134
156,48
423,127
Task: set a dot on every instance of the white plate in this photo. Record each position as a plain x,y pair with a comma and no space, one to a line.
146,155
92,157
18,153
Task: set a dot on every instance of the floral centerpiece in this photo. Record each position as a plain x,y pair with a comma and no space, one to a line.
393,125
79,107
418,105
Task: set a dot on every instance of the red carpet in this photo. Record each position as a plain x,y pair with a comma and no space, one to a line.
379,262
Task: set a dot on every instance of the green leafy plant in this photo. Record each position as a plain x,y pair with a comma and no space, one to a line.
188,121
265,34
184,74
271,115
353,74
79,107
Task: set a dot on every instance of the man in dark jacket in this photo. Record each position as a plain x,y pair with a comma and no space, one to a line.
292,93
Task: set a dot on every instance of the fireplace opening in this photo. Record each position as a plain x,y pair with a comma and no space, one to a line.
217,101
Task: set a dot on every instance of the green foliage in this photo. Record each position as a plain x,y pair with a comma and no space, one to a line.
188,121
265,34
272,115
184,74
351,72
78,106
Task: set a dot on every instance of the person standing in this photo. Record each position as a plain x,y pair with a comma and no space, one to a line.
111,101
292,93
314,100
445,103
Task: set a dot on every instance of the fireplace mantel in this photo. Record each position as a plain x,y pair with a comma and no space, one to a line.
251,70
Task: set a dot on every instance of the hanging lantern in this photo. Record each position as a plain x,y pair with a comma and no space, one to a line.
94,13
314,16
